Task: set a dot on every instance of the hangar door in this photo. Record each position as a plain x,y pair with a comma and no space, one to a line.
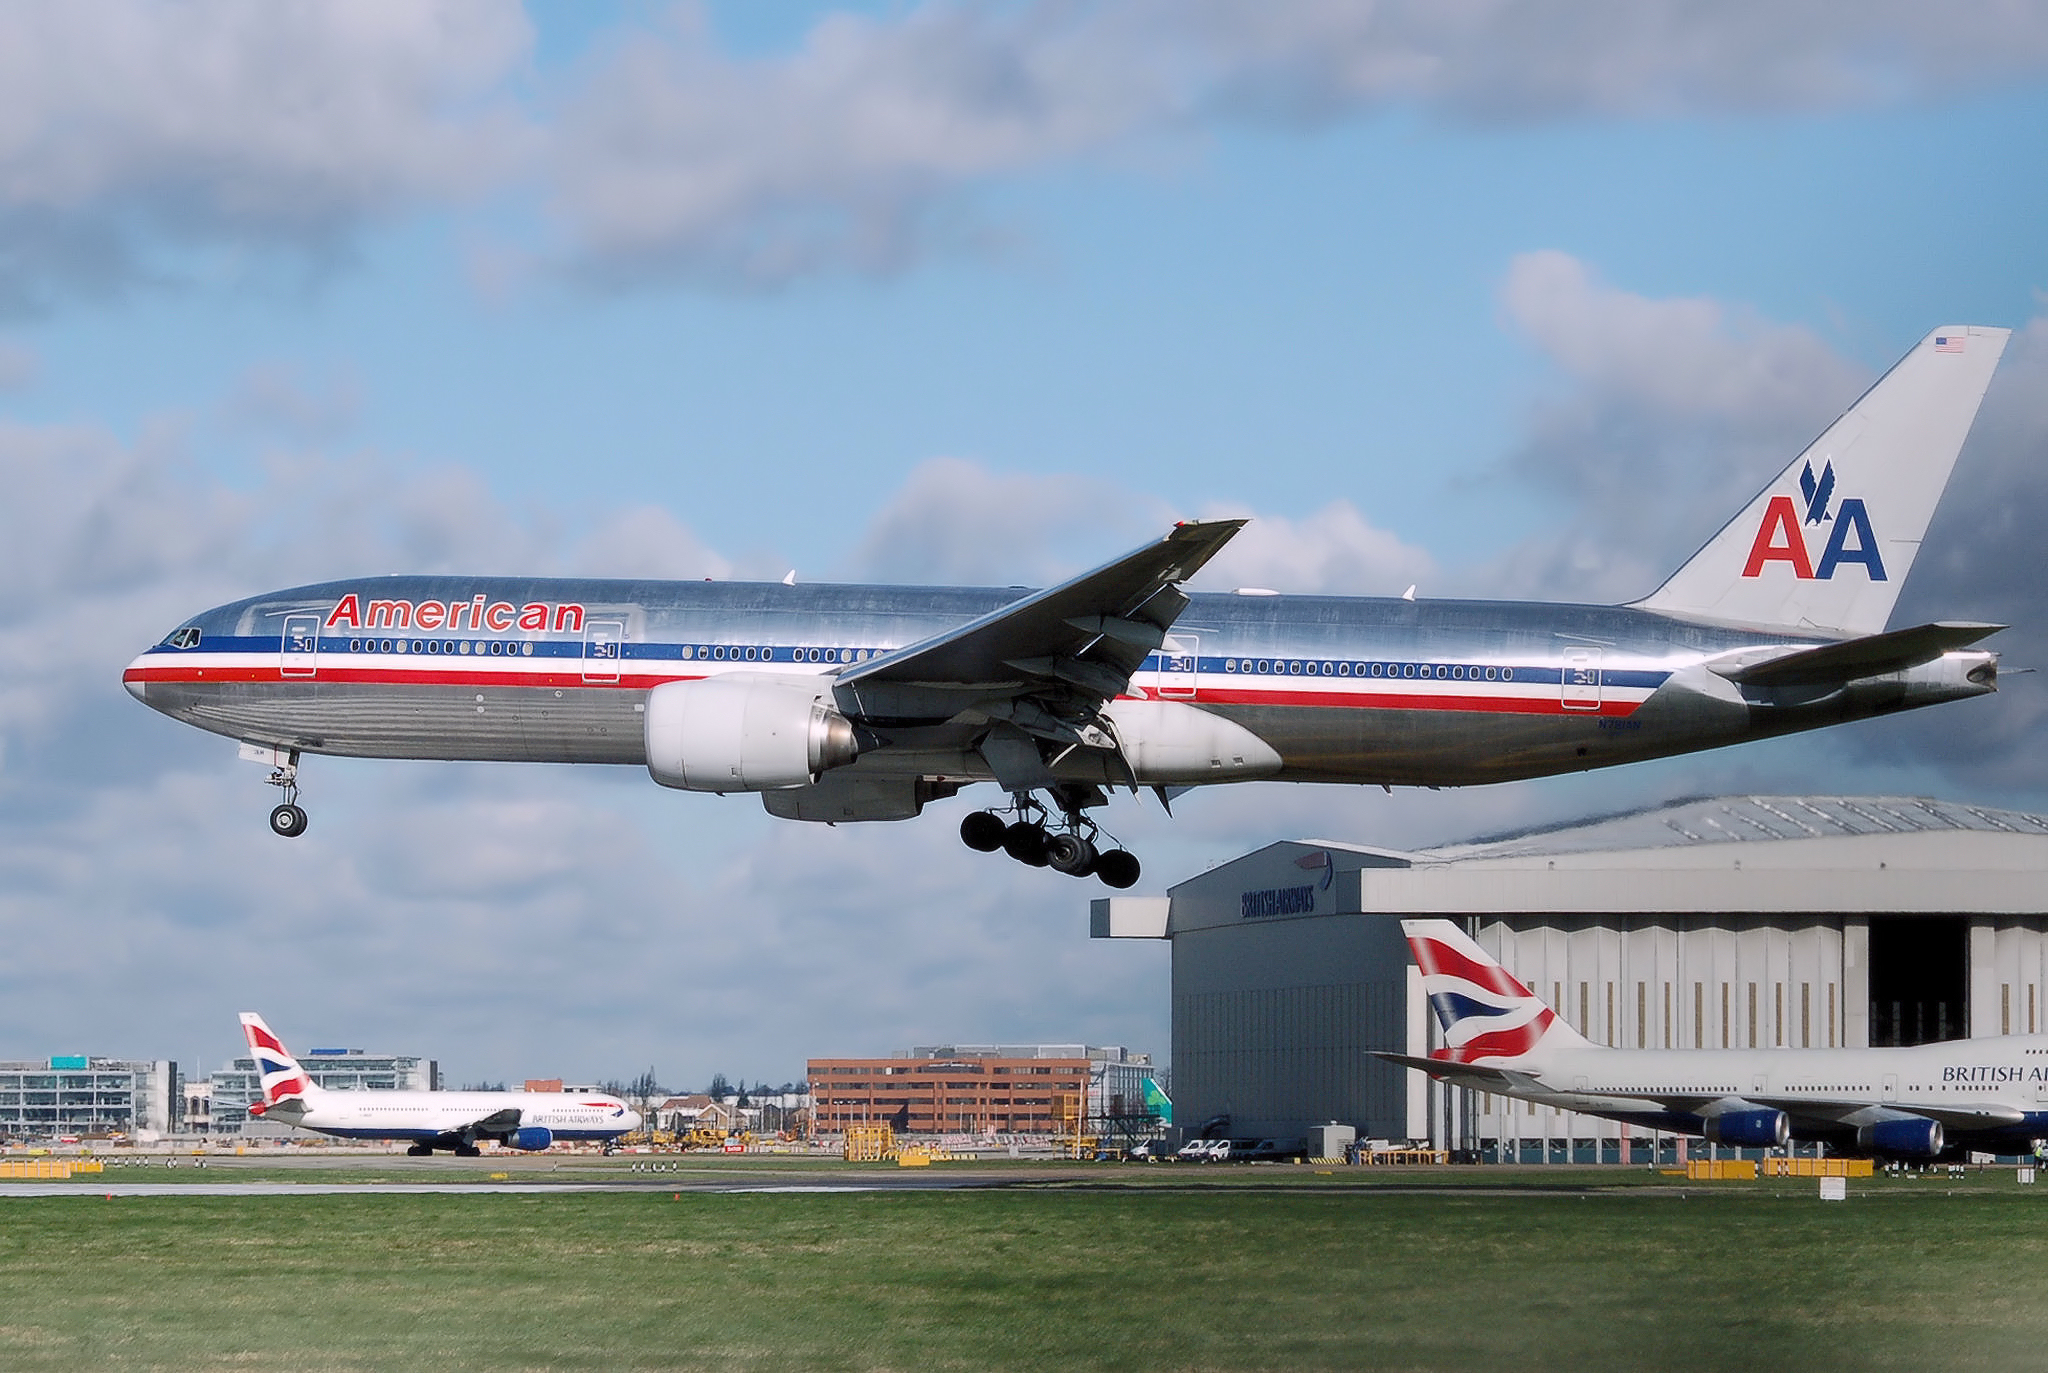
1919,979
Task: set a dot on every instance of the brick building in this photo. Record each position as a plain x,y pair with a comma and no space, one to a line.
949,1093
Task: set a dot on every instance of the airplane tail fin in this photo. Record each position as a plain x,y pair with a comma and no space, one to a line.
1827,545
282,1079
1486,1014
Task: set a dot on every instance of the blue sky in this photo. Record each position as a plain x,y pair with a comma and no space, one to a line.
1505,298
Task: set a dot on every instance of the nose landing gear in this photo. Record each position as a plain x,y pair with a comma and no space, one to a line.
1072,849
289,819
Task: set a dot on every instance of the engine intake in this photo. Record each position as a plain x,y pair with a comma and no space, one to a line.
745,734
1753,1129
1917,1137
531,1138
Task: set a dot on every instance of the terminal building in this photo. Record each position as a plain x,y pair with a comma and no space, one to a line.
85,1095
1726,922
238,1086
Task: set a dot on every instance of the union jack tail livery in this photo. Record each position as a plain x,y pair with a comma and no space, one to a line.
280,1074
1487,1016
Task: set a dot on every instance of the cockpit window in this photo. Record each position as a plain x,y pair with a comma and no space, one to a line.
187,637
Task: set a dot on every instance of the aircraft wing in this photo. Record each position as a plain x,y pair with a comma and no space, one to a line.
496,1122
1873,655
1047,662
1954,1115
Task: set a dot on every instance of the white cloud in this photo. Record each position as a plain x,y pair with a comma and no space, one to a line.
229,121
956,522
1331,551
1661,417
673,159
127,126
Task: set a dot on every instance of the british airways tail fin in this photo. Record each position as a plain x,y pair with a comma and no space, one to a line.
282,1079
1487,1016
1827,545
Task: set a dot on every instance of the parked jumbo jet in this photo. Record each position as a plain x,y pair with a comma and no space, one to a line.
1986,1094
429,1120
865,702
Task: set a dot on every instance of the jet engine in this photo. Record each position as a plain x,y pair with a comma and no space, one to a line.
745,733
1754,1129
1915,1137
531,1138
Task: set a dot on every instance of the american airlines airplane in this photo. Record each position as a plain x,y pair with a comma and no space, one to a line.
1916,1103
841,703
430,1120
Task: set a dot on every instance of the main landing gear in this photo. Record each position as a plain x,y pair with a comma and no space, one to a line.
288,819
1074,848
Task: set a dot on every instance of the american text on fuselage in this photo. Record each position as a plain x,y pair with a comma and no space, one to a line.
849,702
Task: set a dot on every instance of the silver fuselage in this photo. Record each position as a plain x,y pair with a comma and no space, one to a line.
1359,690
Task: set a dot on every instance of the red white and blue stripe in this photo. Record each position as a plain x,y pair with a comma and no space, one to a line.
1485,1013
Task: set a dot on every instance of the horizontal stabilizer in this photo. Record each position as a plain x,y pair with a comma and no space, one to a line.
1489,1079
1873,655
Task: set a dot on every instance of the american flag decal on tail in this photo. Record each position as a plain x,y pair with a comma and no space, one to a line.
1485,1013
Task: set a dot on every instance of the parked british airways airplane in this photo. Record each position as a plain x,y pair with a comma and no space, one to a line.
430,1120
865,702
1986,1094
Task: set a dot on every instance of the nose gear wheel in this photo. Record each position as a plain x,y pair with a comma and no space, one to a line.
288,820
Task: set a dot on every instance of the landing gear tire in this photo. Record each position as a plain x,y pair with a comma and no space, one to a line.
1070,854
983,831
468,1151
1025,842
1118,868
419,1151
288,821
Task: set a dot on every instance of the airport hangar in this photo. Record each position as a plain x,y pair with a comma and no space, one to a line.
1808,921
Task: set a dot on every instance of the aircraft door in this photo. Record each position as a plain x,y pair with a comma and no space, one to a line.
1580,684
1180,662
603,646
299,654
1891,1088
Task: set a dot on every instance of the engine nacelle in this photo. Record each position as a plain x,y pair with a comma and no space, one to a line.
531,1138
1917,1137
1753,1129
745,733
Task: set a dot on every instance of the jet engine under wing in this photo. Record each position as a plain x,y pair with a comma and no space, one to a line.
1048,661
1873,655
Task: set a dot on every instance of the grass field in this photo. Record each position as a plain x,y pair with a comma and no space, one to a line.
1219,1270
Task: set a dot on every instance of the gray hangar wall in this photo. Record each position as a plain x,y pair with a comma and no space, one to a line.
1738,921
